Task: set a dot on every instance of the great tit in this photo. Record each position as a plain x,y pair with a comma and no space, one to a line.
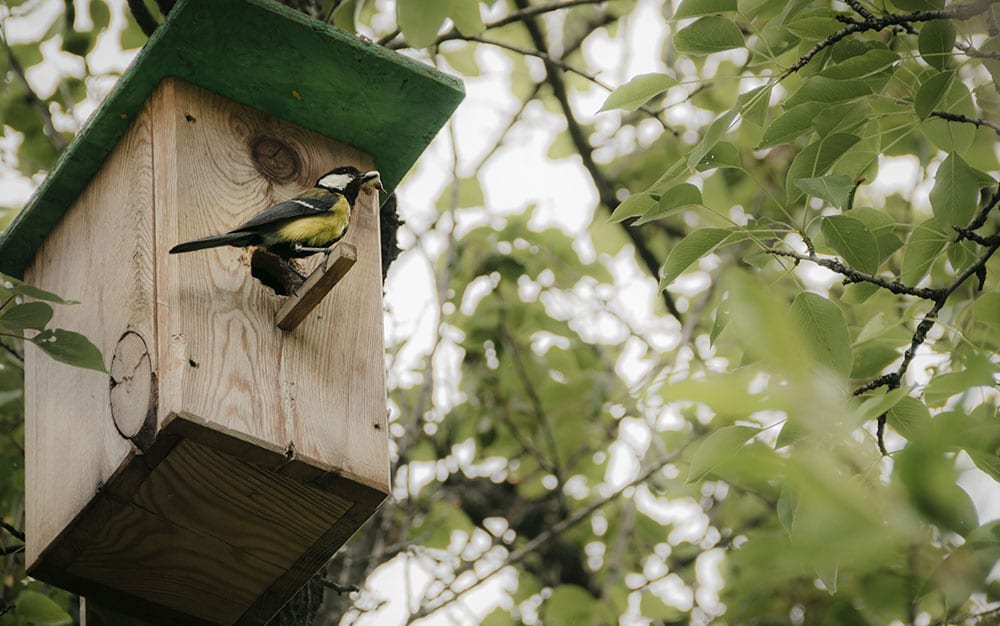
302,226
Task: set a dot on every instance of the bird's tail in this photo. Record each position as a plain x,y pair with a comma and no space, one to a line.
225,239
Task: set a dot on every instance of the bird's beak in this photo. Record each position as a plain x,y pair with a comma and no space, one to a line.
372,179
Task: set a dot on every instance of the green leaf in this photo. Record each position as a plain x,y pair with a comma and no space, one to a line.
723,155
931,482
132,36
33,315
814,27
100,14
861,66
27,54
852,240
834,189
790,125
688,250
677,198
831,91
936,42
977,373
753,104
762,322
712,135
498,617
987,462
420,21
468,20
70,347
823,325
828,576
633,206
638,91
817,158
926,242
717,448
956,191
650,605
948,135
931,92
570,604
39,609
917,5
882,226
695,8
910,418
986,309
470,194
344,16
707,35
876,404
788,501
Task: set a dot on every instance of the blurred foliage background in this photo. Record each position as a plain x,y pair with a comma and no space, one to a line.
749,375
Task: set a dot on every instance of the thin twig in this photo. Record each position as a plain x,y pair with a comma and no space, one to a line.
36,103
954,12
976,53
340,589
142,16
860,9
515,16
553,531
541,416
854,276
605,190
892,380
958,117
19,535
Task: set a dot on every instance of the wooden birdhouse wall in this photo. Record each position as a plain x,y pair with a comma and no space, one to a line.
319,388
226,459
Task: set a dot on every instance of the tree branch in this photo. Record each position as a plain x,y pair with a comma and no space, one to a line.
36,103
516,16
605,190
17,534
957,117
553,531
892,380
854,276
870,23
142,16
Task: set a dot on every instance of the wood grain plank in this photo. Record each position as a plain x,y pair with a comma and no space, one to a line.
320,389
317,285
100,254
211,493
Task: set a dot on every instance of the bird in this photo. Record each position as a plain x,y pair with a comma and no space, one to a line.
302,226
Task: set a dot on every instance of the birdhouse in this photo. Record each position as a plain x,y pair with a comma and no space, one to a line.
230,452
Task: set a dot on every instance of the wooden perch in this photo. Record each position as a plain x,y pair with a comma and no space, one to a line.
315,288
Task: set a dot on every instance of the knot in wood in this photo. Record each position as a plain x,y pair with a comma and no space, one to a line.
275,159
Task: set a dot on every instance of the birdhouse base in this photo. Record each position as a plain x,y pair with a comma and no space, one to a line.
206,514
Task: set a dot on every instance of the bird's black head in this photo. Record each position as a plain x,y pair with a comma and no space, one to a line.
348,177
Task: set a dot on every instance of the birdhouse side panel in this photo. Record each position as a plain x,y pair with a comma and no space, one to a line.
99,254
218,164
345,424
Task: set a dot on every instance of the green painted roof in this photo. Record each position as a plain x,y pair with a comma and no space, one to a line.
271,58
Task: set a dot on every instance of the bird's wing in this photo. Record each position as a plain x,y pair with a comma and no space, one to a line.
301,206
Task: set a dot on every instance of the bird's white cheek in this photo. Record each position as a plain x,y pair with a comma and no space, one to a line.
335,181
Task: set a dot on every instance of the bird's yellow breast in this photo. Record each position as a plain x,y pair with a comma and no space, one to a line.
317,230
